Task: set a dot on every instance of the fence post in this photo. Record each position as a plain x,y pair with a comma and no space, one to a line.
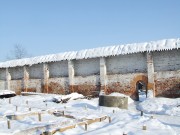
27,102
63,113
109,119
39,116
86,126
8,124
144,127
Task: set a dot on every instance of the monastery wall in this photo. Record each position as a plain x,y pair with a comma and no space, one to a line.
159,70
167,73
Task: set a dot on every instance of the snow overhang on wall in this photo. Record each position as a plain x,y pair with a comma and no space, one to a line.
166,44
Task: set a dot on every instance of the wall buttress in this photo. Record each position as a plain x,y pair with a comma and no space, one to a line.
45,77
25,79
8,79
150,72
71,76
103,74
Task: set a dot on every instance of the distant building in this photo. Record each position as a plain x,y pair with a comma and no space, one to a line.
124,68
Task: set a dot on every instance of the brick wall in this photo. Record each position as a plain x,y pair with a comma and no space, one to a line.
36,71
16,73
118,74
125,83
123,64
58,85
34,85
167,83
86,67
166,60
58,69
2,85
2,74
89,85
16,85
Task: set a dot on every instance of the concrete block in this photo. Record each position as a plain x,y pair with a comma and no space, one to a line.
113,101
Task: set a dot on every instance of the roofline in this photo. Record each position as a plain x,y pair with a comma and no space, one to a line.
160,45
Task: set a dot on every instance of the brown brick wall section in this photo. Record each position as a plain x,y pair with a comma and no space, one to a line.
118,87
30,90
127,88
85,89
55,88
165,86
169,87
16,85
150,86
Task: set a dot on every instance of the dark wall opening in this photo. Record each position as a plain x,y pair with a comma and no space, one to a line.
141,88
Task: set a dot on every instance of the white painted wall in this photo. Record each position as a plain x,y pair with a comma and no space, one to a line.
166,60
167,74
58,69
122,64
16,73
36,71
2,74
90,80
2,85
87,67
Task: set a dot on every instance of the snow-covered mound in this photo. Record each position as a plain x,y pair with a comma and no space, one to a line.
7,92
161,106
73,96
122,95
59,98
166,44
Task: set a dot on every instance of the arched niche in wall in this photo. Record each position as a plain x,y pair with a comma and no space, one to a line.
138,82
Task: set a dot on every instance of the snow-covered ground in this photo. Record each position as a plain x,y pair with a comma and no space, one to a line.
161,116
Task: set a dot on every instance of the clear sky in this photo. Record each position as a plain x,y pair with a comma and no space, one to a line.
54,26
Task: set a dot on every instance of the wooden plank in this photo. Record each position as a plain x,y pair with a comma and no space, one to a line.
85,123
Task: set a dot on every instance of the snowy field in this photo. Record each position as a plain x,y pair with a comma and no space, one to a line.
40,113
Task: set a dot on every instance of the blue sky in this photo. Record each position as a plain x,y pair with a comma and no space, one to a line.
54,26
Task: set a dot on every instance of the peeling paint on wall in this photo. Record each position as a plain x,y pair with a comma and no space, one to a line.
168,84
58,85
34,85
86,89
89,85
125,83
16,85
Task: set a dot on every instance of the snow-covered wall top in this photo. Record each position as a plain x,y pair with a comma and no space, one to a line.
166,44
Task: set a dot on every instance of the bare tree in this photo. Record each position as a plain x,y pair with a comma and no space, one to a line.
18,52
